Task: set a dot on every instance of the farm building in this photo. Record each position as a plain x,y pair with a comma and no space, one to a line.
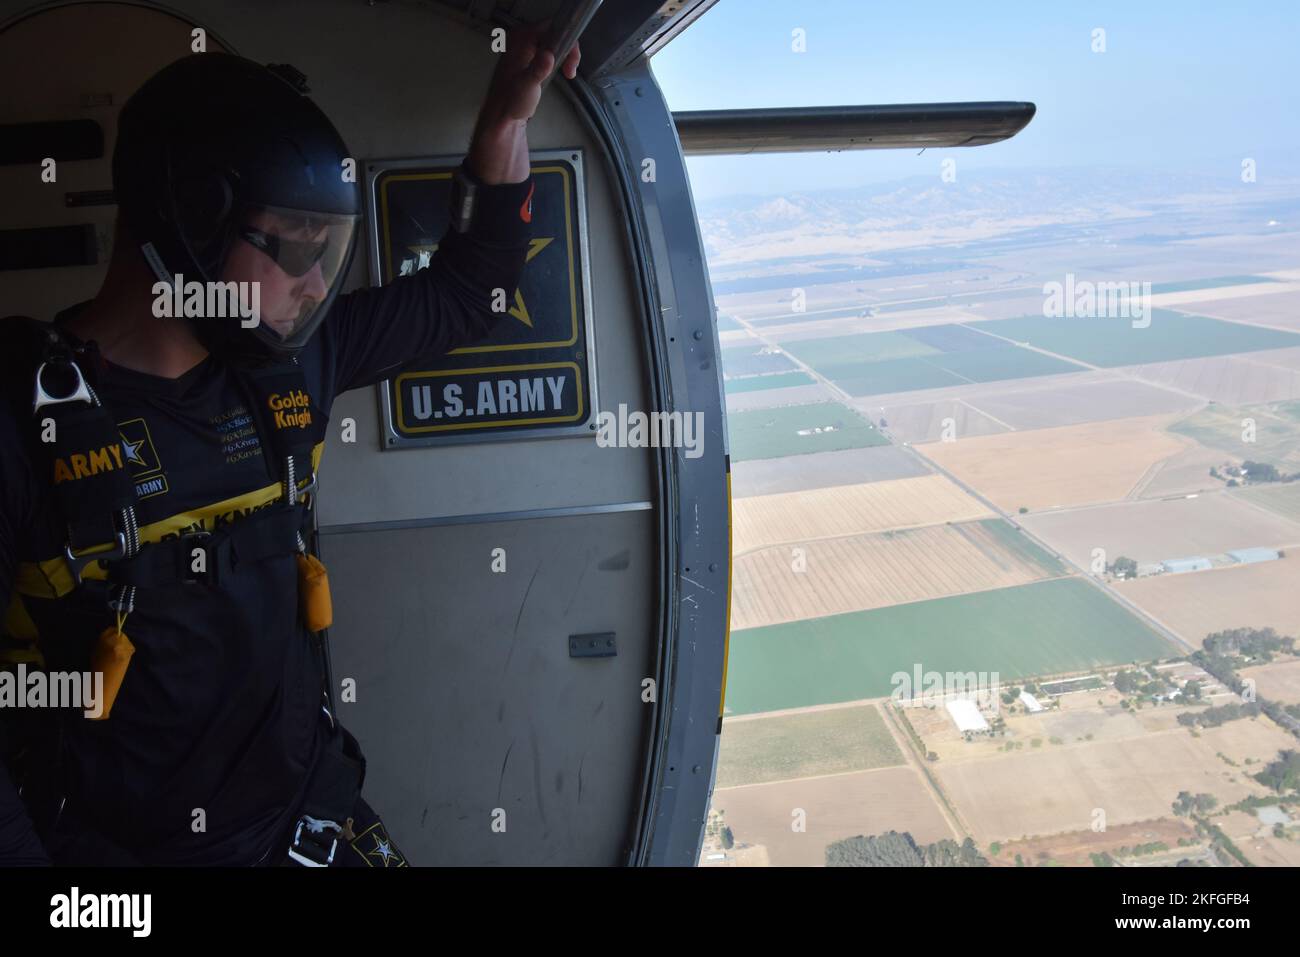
1031,703
966,715
1175,566
1248,556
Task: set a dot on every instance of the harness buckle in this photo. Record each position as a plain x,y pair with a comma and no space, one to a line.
80,393
312,844
76,563
307,489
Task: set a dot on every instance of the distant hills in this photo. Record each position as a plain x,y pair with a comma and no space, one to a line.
853,225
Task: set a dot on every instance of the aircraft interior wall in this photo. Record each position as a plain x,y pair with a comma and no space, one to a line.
468,698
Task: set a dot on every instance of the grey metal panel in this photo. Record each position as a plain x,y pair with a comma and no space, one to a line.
620,32
467,699
696,533
817,128
485,517
623,31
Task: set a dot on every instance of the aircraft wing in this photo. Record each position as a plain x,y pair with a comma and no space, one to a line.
820,128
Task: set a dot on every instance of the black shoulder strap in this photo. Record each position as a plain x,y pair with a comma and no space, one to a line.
76,443
289,421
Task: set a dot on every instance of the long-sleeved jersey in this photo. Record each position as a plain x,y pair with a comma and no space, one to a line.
220,709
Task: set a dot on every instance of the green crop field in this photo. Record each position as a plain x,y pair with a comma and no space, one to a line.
996,362
891,375
992,363
865,347
1274,438
1116,342
779,380
750,359
790,746
1021,546
1043,628
775,433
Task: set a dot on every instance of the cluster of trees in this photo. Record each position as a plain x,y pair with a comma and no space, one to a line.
1213,717
894,849
1141,683
1224,668
1282,774
1250,471
1189,803
1250,642
1123,567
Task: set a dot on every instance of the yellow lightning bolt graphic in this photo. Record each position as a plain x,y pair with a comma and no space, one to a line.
520,309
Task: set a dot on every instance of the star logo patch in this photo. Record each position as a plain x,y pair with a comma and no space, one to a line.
376,848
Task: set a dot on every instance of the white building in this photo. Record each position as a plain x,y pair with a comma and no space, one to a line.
966,714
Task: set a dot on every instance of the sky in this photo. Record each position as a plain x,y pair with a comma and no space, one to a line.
1182,86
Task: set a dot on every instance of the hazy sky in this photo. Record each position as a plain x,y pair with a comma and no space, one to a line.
1182,85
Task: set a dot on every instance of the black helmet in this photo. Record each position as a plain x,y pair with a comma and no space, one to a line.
220,162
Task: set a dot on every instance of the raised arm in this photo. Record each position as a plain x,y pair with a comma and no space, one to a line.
372,332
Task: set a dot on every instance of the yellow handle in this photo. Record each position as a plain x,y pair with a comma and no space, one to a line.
314,593
112,653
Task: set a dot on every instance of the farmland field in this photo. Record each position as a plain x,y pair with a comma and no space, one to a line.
1188,285
1094,397
1182,473
1115,342
779,380
802,517
1041,628
1279,309
865,802
886,568
825,741
990,363
1056,789
1156,530
774,398
1278,680
926,421
1070,465
1233,380
1275,437
823,469
753,359
871,347
1262,595
794,430
1282,500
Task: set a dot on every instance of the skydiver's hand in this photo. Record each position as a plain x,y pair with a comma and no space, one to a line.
499,150
517,83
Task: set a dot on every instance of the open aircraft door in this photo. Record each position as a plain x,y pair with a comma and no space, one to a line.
531,594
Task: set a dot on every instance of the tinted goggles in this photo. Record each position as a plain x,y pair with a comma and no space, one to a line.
294,256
